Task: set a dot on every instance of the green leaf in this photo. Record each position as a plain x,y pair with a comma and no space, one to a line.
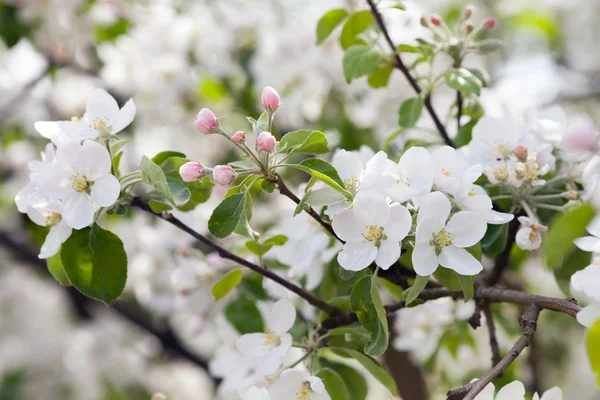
415,290
181,194
466,283
226,216
95,263
465,134
110,32
448,278
354,380
356,24
370,365
261,248
304,142
360,60
355,329
407,48
158,206
367,305
163,155
410,111
462,80
154,176
325,172
564,229
116,161
475,251
593,349
481,75
56,269
227,283
494,240
334,384
118,145
329,22
380,77
243,226
245,317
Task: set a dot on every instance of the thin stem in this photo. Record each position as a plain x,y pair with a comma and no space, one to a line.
489,321
459,107
312,300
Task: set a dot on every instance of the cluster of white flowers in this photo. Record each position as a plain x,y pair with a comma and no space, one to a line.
516,391
73,180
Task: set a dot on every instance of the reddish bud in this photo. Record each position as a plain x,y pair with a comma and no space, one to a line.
424,21
270,99
238,137
206,121
521,152
191,171
436,19
490,23
266,141
468,11
469,27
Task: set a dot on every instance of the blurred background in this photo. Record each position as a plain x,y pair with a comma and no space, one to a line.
174,57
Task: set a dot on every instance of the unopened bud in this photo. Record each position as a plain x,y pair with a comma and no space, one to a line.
238,137
206,121
572,195
468,27
490,23
468,11
266,141
223,175
521,152
191,171
270,99
423,21
436,19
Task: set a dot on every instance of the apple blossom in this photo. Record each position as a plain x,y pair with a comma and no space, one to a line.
551,394
591,181
528,236
438,242
50,215
266,141
474,198
267,350
549,124
516,391
191,171
590,243
452,170
102,118
298,385
585,285
494,140
238,137
490,23
373,231
223,175
256,393
206,121
411,177
270,99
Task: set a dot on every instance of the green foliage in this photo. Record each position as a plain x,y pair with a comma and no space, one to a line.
463,80
370,365
410,111
227,215
356,24
353,380
227,283
329,22
95,262
245,317
564,229
575,261
164,155
415,290
360,60
334,384
465,134
12,27
200,190
56,269
380,77
593,349
325,172
181,194
13,385
261,248
304,142
110,32
494,240
366,303
154,176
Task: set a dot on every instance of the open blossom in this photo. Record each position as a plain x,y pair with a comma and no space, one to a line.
412,177
256,393
267,350
451,170
591,181
516,391
438,242
585,285
270,99
191,171
549,124
474,198
266,141
223,175
102,117
206,121
590,243
529,234
298,385
372,230
494,140
50,215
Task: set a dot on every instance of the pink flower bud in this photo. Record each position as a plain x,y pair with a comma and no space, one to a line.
490,23
436,19
423,21
266,141
469,27
206,121
223,175
582,134
521,152
238,137
270,99
468,11
191,171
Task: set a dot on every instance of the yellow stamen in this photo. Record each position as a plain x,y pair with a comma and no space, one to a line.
79,182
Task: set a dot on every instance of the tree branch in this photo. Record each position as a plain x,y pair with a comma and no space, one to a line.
411,80
459,107
312,300
489,321
529,323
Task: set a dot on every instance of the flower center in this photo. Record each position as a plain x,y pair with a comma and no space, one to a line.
272,339
403,179
374,235
446,172
533,235
79,182
472,193
304,393
53,218
501,152
351,184
101,124
439,240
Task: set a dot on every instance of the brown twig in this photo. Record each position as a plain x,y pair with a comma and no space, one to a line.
529,323
459,107
411,80
489,321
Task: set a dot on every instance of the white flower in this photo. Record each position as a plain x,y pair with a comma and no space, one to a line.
411,177
494,140
590,243
268,349
513,391
255,393
528,236
372,230
85,181
586,285
474,198
102,118
451,170
550,124
552,394
49,214
298,385
438,242
591,181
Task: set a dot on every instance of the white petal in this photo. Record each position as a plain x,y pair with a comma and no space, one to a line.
101,105
284,346
125,117
471,174
373,207
426,228
497,218
356,255
255,393
50,130
374,168
77,130
435,205
70,156
290,381
594,226
460,261
387,254
399,223
316,384
466,228
347,164
487,393
424,259
267,365
399,192
79,210
252,345
105,191
476,203
282,317
513,391
589,315
553,394
588,243
57,235
97,160
349,225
